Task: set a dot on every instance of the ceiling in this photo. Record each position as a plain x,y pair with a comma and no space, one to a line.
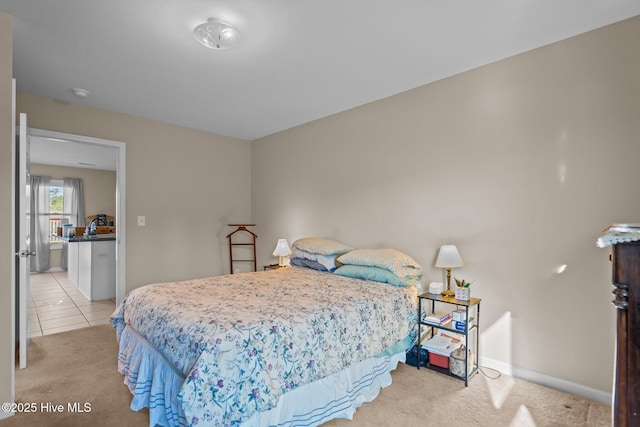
296,61
63,152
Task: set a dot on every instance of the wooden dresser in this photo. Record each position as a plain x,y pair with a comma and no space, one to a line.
626,280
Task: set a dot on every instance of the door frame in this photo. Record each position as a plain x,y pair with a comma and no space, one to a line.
13,246
121,209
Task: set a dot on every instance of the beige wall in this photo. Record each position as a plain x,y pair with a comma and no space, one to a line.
6,249
520,163
99,191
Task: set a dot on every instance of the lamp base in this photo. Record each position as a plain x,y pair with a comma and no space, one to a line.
448,293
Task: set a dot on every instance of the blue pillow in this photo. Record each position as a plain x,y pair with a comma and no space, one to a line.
375,274
303,262
329,261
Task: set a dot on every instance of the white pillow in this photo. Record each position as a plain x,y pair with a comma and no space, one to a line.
316,245
400,264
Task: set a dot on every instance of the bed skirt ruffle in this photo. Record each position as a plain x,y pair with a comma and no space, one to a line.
153,381
155,384
336,396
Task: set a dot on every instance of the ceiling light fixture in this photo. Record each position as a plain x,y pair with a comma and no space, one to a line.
216,34
80,93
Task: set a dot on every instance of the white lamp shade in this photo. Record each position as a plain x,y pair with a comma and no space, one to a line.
449,257
282,248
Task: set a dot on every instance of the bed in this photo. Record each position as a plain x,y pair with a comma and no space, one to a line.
287,347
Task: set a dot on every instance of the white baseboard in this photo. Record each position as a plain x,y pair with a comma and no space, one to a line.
546,380
4,415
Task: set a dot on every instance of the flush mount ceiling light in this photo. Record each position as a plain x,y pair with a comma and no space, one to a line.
80,93
216,34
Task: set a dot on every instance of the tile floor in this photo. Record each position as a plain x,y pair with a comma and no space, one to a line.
58,306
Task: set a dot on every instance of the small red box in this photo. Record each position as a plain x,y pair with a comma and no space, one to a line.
439,360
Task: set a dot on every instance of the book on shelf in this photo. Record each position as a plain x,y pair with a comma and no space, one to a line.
437,318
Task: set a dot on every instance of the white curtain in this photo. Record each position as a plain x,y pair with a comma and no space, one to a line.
72,208
39,223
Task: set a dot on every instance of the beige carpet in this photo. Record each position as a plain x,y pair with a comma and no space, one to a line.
81,367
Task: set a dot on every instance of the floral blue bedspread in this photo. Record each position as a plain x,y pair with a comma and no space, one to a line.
243,340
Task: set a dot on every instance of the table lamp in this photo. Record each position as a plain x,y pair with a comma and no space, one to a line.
282,251
449,258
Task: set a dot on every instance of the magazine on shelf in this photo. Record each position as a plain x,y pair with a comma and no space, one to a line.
443,343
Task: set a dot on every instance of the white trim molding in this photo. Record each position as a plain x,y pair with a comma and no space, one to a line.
546,380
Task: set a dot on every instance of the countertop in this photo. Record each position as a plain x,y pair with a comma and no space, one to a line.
92,238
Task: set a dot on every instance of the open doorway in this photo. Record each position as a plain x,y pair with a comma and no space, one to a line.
76,151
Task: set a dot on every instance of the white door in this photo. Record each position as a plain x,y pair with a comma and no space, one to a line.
23,241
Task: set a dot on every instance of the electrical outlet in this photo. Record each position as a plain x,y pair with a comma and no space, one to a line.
142,221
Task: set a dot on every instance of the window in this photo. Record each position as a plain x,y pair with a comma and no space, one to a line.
56,196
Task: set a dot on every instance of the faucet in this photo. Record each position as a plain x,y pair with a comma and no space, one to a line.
92,227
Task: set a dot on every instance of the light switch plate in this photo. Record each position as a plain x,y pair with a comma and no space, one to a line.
142,221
